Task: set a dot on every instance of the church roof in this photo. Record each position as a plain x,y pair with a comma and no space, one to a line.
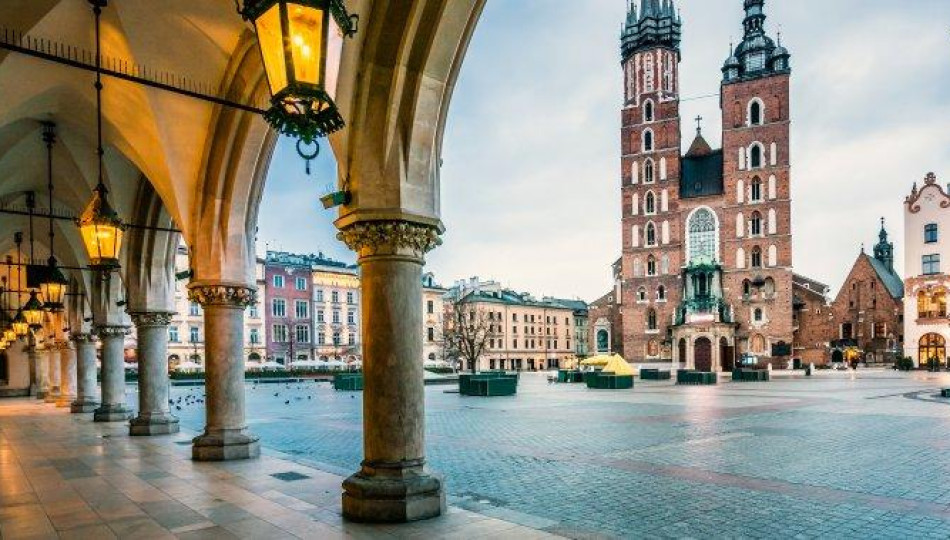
890,279
699,147
701,175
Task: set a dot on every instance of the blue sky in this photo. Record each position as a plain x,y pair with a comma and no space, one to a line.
530,181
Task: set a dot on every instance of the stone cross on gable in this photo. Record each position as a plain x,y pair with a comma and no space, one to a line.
699,124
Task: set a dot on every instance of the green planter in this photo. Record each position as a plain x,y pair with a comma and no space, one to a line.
609,381
488,384
349,382
570,376
695,378
655,375
750,375
945,393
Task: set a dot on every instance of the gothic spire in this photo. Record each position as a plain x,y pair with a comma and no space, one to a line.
656,25
884,250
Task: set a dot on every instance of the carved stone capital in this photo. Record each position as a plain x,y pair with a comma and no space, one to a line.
82,338
152,319
233,296
390,237
106,332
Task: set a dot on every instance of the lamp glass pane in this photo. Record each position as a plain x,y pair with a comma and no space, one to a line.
271,40
53,293
334,57
306,42
102,241
21,328
9,335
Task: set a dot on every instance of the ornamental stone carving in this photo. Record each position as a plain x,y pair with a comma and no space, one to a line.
106,332
372,238
151,319
82,338
235,296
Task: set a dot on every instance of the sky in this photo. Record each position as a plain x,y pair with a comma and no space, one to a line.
531,158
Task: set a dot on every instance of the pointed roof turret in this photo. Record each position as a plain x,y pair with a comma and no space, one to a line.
656,25
884,250
757,55
700,146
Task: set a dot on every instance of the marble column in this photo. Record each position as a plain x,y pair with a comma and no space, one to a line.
86,401
392,484
52,368
154,416
34,373
42,372
113,407
226,436
67,370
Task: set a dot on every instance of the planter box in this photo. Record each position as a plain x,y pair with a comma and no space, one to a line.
491,384
945,393
570,376
750,375
609,381
349,382
655,375
695,378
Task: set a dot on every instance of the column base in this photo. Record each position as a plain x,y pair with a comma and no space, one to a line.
112,413
51,396
79,407
229,445
41,394
65,401
148,424
393,494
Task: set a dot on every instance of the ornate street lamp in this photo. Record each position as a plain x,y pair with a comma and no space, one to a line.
296,39
99,224
20,327
33,312
53,285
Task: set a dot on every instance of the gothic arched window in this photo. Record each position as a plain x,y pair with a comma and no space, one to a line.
651,319
702,235
651,234
642,294
755,225
648,172
756,159
755,112
651,266
648,141
757,315
755,190
648,115
756,257
661,293
649,204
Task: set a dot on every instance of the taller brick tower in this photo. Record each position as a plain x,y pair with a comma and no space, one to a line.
757,254
650,147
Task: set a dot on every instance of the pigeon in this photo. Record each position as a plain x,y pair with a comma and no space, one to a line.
276,394
178,407
287,402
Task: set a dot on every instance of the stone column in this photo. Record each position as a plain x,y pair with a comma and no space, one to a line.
36,389
154,416
226,436
392,484
113,407
52,368
86,401
67,369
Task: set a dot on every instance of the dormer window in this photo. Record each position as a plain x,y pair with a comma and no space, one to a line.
755,62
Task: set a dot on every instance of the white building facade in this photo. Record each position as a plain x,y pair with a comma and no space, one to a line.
927,271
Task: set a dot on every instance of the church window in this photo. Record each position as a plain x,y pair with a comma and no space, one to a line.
746,288
756,160
648,115
641,294
755,112
756,257
651,234
649,74
651,266
651,319
668,73
757,315
755,62
648,140
649,205
755,190
930,233
702,235
755,224
648,172
930,264
661,293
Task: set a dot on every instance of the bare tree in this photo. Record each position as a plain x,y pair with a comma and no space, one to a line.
466,329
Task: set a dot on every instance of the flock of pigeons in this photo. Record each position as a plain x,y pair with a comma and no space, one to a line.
199,398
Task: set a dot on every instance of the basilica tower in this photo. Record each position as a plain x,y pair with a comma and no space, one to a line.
650,148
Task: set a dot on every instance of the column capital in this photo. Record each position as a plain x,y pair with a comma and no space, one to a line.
390,238
82,338
104,332
222,294
151,319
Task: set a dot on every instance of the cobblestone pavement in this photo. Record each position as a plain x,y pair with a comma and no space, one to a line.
836,455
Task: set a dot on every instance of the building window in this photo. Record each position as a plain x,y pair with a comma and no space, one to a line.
335,297
932,303
746,288
321,338
430,334
648,172
173,334
302,309
756,157
661,293
279,282
651,235
755,62
756,257
649,205
930,233
280,333
430,307
651,265
755,190
279,307
319,295
336,339
648,111
320,316
300,284
648,140
351,317
193,335
336,316
194,309
255,336
931,264
350,298
642,294
252,312
302,333
755,225
702,236
651,319
755,112
757,315
351,339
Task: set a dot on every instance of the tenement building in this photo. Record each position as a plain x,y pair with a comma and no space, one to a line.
926,252
707,245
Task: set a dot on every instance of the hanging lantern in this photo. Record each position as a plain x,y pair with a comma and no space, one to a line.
101,231
9,335
33,312
53,287
296,39
20,327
